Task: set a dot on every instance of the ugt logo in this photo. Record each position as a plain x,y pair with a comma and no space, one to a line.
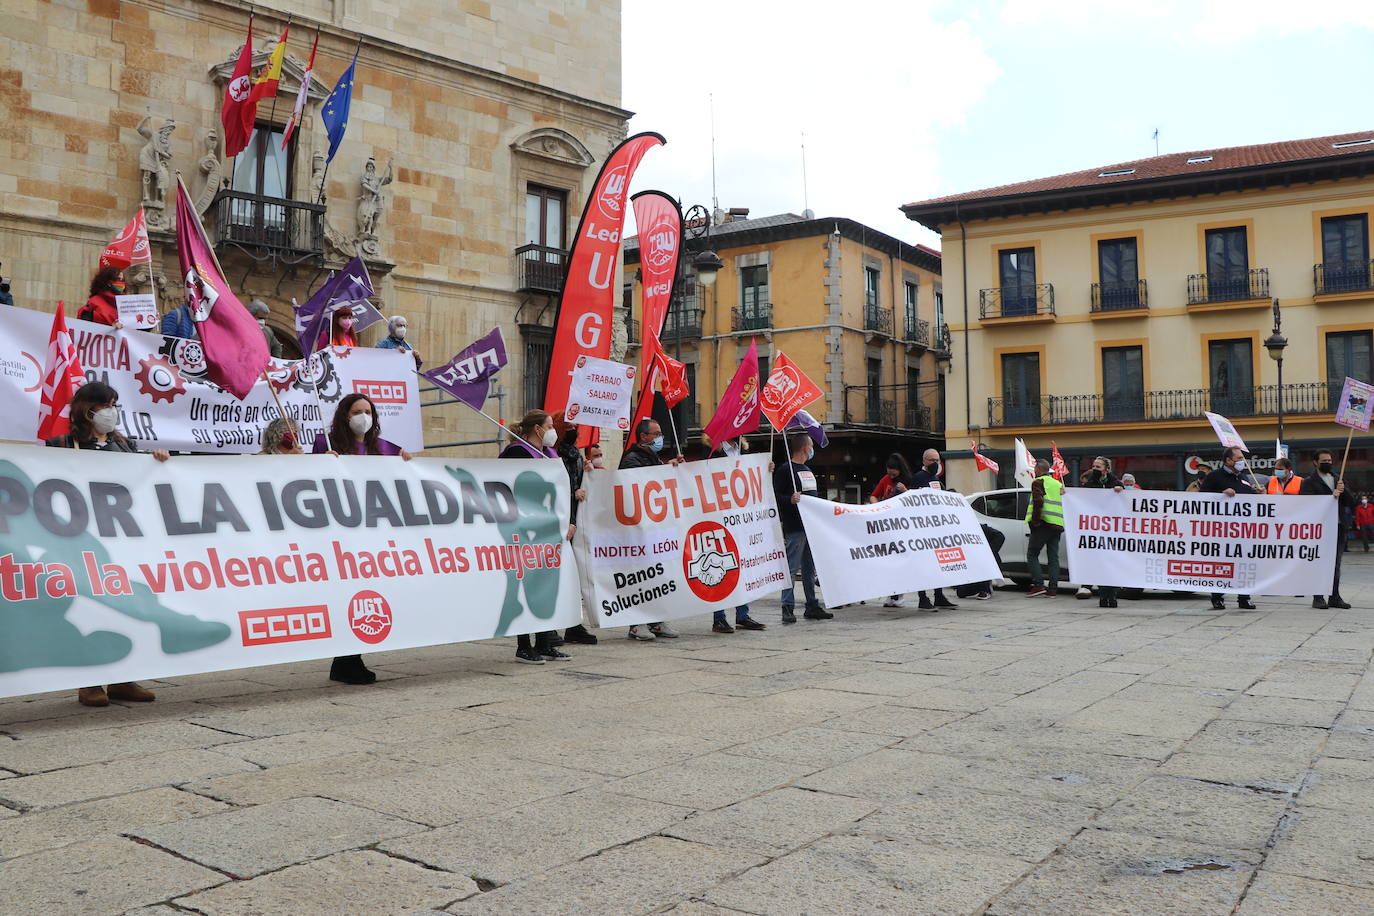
369,616
611,201
782,384
662,247
710,560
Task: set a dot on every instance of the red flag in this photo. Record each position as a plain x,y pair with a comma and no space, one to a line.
660,235
983,463
583,324
129,246
738,412
239,106
62,375
787,391
1058,468
235,349
675,388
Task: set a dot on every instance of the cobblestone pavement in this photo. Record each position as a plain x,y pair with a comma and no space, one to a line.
1014,756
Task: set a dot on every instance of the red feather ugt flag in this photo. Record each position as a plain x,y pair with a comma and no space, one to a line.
239,104
660,235
62,375
1058,468
130,245
738,412
983,463
788,390
235,349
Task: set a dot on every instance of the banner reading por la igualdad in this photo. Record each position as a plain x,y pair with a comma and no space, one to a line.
1256,545
256,560
922,539
666,542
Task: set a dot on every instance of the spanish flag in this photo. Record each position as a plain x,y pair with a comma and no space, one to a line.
266,85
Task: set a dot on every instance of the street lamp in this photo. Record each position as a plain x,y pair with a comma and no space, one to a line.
1275,344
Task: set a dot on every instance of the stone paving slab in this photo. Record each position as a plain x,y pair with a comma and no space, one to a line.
102,817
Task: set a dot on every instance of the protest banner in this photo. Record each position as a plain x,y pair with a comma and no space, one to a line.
665,542
919,540
1226,432
1256,545
600,394
167,402
137,311
115,567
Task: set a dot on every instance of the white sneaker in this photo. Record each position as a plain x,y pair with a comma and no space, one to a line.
640,633
1083,592
662,631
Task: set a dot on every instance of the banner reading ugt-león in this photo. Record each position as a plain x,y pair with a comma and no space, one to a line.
1257,545
114,567
665,542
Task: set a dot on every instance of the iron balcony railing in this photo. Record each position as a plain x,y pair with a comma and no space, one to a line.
271,224
752,318
539,269
1228,286
1016,301
682,323
878,319
917,331
1111,297
944,341
632,332
906,408
1343,277
920,417
1178,404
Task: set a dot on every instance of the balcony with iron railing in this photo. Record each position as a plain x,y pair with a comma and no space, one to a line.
944,342
878,320
1343,277
539,269
1034,302
1118,297
752,317
895,408
682,323
1247,286
632,332
291,230
1163,406
917,331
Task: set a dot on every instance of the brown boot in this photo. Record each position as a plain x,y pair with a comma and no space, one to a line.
92,696
131,692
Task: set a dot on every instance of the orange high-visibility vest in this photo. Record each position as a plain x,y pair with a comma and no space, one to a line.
1292,488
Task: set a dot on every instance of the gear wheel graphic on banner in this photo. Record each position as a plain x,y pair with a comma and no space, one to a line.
159,379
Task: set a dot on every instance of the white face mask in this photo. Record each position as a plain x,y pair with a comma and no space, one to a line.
598,462
105,419
550,437
400,332
360,423
1240,464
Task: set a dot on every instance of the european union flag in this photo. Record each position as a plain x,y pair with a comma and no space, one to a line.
335,114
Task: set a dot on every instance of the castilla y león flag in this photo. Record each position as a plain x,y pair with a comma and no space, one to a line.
130,245
659,222
62,375
590,285
738,412
239,104
787,391
235,349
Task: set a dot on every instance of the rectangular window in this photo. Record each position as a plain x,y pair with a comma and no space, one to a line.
765,367
1021,388
1347,354
1345,254
939,310
1118,274
1228,264
685,413
875,390
911,290
538,353
871,281
1016,273
263,169
754,290
917,415
544,209
1123,383
1230,366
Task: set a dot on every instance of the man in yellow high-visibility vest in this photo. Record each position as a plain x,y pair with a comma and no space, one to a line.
1045,515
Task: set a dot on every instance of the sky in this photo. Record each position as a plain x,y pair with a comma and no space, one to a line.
904,100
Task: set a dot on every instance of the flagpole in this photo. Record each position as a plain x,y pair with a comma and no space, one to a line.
480,412
672,424
272,112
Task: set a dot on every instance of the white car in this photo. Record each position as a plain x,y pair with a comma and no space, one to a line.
1005,511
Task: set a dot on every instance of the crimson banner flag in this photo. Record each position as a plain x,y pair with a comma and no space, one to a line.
130,245
659,221
239,105
62,375
583,324
675,388
738,412
234,346
1058,468
983,463
787,391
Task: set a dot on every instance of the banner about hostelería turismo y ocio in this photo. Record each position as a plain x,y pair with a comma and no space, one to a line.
666,542
114,567
166,401
922,539
1257,545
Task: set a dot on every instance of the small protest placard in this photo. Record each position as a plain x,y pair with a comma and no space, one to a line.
1353,408
600,393
1226,432
137,311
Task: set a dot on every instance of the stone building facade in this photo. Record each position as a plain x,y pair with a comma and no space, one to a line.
485,123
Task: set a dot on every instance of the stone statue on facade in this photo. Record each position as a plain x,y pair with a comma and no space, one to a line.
212,166
317,169
152,163
370,206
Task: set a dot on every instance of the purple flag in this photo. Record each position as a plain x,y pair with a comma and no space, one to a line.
804,421
350,287
468,375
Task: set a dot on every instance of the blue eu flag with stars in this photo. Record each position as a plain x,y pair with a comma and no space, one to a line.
335,114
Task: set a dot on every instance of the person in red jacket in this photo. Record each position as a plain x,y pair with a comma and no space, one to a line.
107,283
1364,519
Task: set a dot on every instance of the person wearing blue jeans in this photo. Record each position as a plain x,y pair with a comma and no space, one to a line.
743,621
789,482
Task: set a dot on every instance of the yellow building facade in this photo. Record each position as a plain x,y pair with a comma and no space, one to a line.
1108,310
859,311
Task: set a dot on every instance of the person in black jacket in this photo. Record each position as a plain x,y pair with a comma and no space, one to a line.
643,453
1100,477
576,466
1323,482
928,477
790,481
1228,478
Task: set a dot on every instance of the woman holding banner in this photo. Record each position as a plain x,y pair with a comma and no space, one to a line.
895,481
101,307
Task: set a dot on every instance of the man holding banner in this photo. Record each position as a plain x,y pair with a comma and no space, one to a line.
1227,479
789,482
1322,482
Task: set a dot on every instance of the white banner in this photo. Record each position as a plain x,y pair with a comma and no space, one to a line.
666,542
1209,542
922,539
166,401
599,394
115,567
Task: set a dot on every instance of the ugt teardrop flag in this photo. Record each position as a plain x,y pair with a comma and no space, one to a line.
130,245
659,219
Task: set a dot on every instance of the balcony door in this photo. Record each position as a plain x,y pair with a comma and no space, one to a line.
1016,273
545,210
1347,354
1230,366
1119,274
1228,264
1021,389
1123,383
875,391
754,298
263,170
1345,253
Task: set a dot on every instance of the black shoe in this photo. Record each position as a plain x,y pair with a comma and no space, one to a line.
788,616
924,605
1245,604
555,640
349,669
817,614
528,656
553,654
749,623
722,626
580,634
946,603
1113,604
1337,601
1319,603
1218,604
1104,602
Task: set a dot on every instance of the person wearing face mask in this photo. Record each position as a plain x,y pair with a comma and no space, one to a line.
281,437
1364,519
1284,480
101,307
576,467
720,623
94,418
1323,482
789,482
896,474
596,460
340,332
355,430
1100,477
644,453
397,330
260,312
928,477
1229,478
